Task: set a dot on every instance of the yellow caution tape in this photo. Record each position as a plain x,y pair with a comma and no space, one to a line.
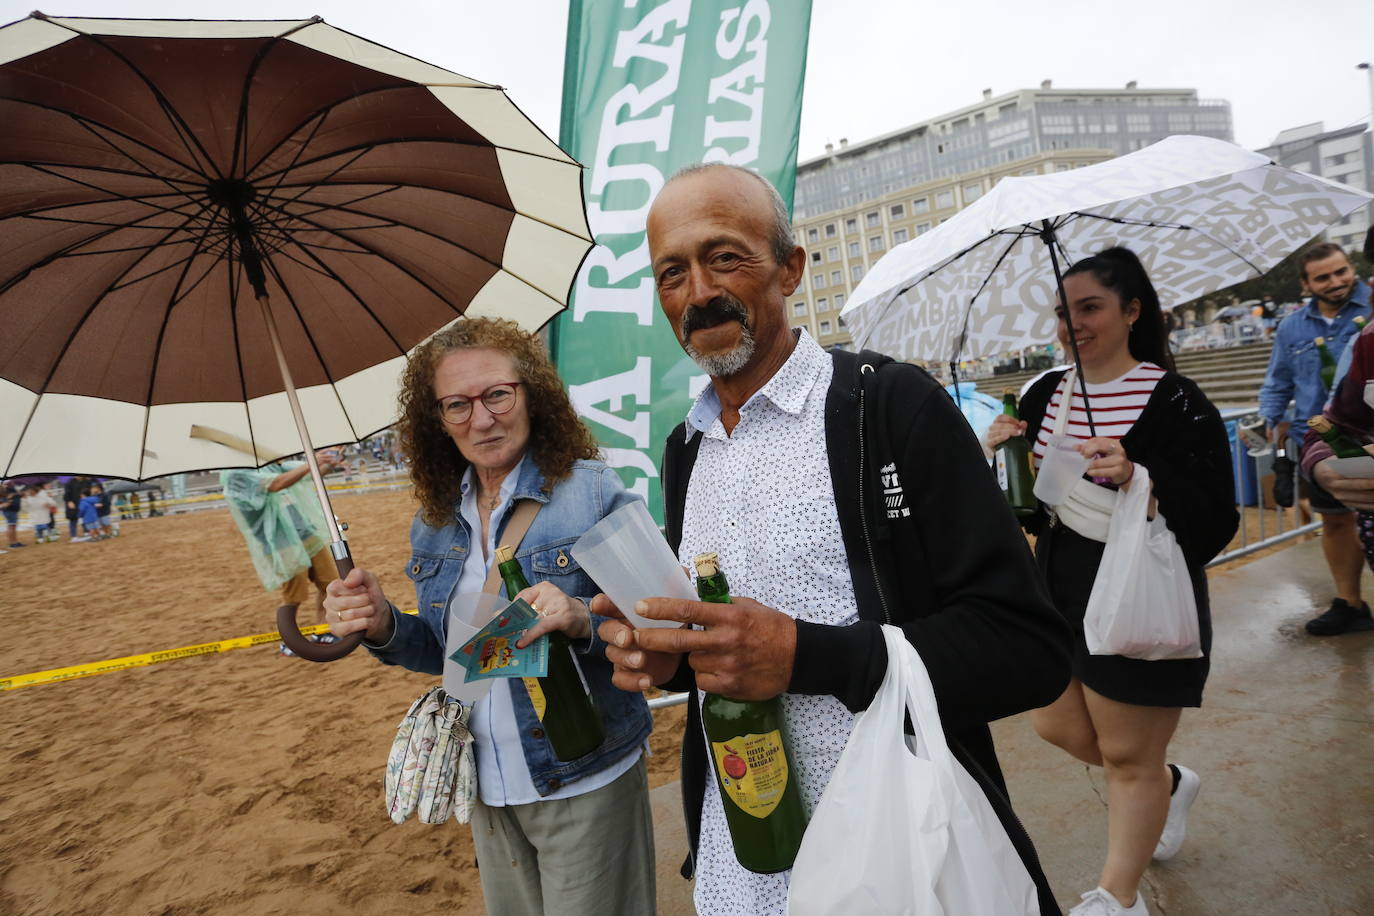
73,672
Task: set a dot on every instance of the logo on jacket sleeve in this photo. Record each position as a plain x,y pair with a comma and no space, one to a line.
893,496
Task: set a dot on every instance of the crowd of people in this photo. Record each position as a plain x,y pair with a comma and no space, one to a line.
886,515
88,510
818,559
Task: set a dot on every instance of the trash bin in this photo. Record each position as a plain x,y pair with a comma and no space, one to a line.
1243,466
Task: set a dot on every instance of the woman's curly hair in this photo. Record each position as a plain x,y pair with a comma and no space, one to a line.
557,436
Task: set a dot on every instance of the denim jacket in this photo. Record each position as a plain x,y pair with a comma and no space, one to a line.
1294,364
579,501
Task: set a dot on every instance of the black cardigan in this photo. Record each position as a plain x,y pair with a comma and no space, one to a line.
1181,440
954,573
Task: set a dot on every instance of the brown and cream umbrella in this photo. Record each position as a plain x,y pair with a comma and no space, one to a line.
246,226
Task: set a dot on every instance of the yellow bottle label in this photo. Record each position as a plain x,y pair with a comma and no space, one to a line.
753,771
536,696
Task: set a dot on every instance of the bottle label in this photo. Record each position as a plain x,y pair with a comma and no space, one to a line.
536,696
1000,459
753,771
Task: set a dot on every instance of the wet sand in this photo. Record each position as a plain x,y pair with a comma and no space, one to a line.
239,783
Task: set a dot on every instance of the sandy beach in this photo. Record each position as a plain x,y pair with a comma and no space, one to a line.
238,783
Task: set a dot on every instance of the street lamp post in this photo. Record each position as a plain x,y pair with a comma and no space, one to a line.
1369,72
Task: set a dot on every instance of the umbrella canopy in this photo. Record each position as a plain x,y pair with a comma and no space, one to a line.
1201,213
143,162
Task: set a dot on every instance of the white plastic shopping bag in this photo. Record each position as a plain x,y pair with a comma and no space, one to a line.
902,830
1142,604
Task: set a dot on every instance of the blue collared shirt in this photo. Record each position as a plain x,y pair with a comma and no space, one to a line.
1295,366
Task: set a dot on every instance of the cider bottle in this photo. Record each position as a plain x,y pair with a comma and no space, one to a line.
561,698
748,748
1328,370
1342,446
1013,461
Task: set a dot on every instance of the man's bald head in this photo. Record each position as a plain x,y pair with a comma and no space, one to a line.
780,237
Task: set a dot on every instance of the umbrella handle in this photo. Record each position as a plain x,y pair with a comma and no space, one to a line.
313,651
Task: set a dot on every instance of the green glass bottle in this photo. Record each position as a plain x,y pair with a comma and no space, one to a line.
1341,444
748,748
561,699
1013,461
1328,370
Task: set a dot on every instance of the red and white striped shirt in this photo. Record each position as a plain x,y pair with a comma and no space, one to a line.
1116,406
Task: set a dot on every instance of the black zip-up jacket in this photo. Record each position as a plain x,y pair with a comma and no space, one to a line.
933,548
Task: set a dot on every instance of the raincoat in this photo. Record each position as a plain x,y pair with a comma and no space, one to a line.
284,529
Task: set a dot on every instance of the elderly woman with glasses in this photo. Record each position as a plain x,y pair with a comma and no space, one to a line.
487,424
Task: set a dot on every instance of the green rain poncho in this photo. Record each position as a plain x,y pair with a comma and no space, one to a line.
283,529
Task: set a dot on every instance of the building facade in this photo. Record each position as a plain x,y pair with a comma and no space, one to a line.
859,200
1345,155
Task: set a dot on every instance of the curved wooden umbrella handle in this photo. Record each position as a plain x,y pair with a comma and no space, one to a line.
314,651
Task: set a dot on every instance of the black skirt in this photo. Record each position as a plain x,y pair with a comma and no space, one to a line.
1069,564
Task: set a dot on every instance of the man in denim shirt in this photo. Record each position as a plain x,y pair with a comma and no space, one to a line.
1337,298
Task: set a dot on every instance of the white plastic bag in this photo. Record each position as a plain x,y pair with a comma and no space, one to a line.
1142,604
903,830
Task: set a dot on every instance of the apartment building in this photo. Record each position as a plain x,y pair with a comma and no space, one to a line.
858,200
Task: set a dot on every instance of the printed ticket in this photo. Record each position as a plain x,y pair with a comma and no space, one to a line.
492,652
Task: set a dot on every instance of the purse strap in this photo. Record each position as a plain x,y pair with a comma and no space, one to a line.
1061,419
520,519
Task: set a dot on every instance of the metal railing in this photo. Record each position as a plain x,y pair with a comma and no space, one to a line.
1260,527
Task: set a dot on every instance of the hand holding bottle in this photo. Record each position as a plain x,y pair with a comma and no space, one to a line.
557,611
355,603
635,669
1002,429
745,650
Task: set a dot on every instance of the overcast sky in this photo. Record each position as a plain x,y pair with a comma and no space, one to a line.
876,65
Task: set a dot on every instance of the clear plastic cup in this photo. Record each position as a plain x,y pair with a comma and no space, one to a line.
1060,469
627,557
468,613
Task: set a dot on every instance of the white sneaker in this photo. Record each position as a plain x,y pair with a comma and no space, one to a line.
1177,823
1100,902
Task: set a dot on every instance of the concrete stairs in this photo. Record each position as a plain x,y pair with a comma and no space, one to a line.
1230,377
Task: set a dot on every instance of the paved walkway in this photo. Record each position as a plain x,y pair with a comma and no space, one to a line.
1284,744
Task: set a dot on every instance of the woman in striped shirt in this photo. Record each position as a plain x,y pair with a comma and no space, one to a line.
1120,713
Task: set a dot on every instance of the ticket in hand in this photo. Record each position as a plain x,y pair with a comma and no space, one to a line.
492,652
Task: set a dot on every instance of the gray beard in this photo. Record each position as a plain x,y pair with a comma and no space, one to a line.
724,365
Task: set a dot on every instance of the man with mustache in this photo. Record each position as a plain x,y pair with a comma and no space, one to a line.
838,498
1337,298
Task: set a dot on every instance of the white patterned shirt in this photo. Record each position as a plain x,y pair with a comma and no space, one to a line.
762,499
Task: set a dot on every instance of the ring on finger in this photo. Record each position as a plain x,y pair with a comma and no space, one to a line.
341,616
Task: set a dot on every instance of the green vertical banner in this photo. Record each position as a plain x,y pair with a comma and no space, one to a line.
647,89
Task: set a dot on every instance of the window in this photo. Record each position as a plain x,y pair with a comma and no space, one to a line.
871,219
822,304
944,200
972,192
799,309
922,228
817,281
1137,123
898,211
832,253
812,235
851,225
825,326
899,236
1062,167
921,206
815,257
856,273
876,243
839,304
854,249
836,277
830,230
